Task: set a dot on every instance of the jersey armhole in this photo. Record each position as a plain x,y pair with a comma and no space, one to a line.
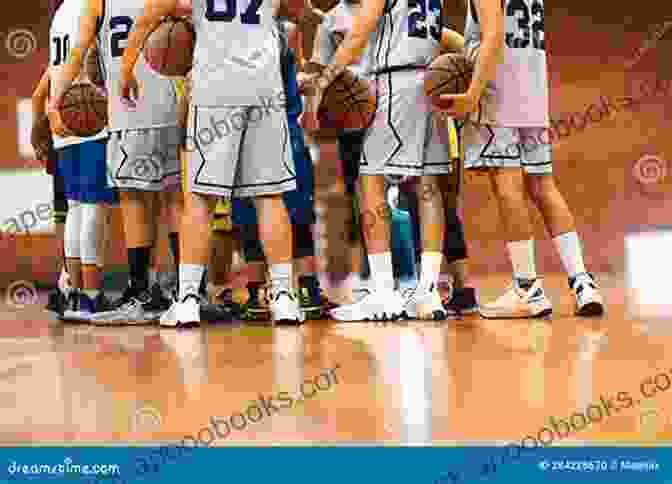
101,19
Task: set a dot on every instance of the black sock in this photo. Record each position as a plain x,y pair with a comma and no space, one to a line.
253,290
138,262
174,241
525,284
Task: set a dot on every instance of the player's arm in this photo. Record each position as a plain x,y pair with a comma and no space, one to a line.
88,23
492,44
40,95
151,17
352,48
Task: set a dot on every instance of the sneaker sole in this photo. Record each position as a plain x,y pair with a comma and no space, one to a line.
288,322
383,317
437,315
542,314
591,309
179,325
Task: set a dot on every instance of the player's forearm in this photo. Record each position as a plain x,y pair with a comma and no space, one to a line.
40,95
490,55
142,28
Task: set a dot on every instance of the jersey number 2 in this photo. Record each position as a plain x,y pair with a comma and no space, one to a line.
120,28
249,17
530,22
417,19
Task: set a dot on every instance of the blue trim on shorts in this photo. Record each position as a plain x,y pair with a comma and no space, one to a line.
84,170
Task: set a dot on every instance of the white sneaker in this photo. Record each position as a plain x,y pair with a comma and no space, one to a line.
588,299
377,305
424,302
182,313
285,308
519,303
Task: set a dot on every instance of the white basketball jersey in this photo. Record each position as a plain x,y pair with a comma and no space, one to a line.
337,23
157,106
407,35
520,97
63,35
237,52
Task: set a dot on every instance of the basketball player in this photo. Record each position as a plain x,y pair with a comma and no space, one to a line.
58,298
520,80
229,78
403,141
82,163
142,150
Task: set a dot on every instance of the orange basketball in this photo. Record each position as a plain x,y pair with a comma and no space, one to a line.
84,109
348,103
449,74
169,49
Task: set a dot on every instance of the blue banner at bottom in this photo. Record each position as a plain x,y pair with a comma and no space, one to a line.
326,465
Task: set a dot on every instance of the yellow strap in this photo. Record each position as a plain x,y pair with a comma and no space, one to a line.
180,88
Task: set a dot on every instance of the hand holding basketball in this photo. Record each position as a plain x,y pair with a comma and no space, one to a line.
129,89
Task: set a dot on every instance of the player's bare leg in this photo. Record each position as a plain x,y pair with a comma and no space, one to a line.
525,298
275,233
559,221
383,302
425,300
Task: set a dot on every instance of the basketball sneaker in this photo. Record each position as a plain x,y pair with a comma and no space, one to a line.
223,308
285,308
518,302
256,308
57,302
313,302
157,304
588,299
71,309
424,302
182,313
462,300
87,307
376,305
129,310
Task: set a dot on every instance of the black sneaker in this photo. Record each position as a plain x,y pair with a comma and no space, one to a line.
57,302
254,310
158,302
462,301
126,297
71,309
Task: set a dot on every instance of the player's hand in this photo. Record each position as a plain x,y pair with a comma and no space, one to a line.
129,89
55,121
457,106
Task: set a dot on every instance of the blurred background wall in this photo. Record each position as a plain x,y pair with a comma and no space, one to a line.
616,172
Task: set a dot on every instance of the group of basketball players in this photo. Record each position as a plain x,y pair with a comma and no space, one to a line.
241,55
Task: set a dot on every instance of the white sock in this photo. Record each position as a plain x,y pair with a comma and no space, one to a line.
190,279
382,274
430,267
153,277
571,253
281,277
521,253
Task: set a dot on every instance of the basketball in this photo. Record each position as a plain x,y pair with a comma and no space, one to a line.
348,103
84,109
169,49
449,74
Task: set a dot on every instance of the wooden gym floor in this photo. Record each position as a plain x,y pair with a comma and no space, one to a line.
469,381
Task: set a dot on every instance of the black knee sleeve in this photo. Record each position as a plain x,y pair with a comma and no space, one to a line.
454,245
251,245
304,245
60,209
350,145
